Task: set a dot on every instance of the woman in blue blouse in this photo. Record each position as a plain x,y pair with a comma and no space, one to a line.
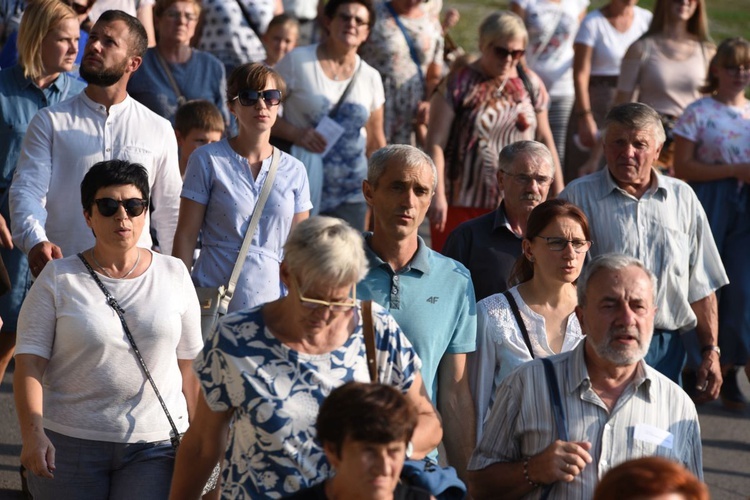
48,45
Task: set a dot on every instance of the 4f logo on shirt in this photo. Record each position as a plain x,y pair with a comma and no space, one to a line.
433,300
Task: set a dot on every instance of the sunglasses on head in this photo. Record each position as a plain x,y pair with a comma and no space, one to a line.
271,97
109,207
503,53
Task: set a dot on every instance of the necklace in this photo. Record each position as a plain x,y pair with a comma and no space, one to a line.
93,257
344,68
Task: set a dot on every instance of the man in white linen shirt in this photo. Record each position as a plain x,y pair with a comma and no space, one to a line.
617,408
102,123
636,211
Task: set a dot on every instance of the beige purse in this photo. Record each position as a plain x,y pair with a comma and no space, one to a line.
214,301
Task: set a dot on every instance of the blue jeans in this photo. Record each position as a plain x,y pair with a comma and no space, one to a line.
667,354
103,470
728,212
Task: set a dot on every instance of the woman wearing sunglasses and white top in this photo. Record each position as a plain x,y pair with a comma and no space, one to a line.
554,248
91,424
222,184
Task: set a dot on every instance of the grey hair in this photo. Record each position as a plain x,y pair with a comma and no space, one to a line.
636,116
401,154
325,250
610,262
502,25
536,151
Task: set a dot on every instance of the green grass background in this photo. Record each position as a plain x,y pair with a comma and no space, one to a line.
726,18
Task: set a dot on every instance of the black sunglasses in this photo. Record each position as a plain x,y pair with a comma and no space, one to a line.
109,207
503,53
271,97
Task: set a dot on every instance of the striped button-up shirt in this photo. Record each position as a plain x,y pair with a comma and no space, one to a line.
666,229
652,408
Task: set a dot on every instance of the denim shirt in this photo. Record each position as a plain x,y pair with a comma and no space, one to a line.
20,99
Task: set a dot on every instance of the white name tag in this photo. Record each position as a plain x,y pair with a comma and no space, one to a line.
654,435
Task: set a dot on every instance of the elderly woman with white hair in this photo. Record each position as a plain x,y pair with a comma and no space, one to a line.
476,111
266,371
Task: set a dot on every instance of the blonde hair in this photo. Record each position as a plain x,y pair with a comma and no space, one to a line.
502,25
39,18
325,250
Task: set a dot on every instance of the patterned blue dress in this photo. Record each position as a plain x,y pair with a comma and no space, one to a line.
276,393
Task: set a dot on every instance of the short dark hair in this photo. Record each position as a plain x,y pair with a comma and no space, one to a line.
253,76
371,413
198,114
112,173
138,36
539,218
333,5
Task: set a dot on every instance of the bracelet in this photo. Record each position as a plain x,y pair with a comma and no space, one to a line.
526,473
581,114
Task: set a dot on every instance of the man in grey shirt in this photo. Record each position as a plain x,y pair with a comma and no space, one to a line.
615,407
636,211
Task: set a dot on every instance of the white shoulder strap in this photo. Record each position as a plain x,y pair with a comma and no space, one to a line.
254,220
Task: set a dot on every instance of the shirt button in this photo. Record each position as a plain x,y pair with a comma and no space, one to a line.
395,278
607,427
603,463
108,150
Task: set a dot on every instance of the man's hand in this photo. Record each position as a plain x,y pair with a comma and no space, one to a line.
560,461
708,377
42,253
5,239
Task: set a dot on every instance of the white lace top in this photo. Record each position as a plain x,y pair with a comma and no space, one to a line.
501,348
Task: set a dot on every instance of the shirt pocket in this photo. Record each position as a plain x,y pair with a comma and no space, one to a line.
675,252
139,155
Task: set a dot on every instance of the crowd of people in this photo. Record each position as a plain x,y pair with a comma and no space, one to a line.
243,304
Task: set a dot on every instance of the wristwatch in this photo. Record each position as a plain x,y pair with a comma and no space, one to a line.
714,348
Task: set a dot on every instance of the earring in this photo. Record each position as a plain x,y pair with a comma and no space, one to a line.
532,259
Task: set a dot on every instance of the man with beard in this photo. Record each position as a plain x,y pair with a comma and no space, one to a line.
616,407
102,123
636,211
490,244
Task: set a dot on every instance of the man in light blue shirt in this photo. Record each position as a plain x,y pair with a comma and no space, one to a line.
431,296
636,211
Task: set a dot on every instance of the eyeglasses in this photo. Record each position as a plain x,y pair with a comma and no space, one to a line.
346,18
525,180
684,1
334,307
109,207
560,244
176,15
271,97
503,53
737,70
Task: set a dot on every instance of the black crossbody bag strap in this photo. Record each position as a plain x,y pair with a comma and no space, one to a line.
517,314
557,410
175,438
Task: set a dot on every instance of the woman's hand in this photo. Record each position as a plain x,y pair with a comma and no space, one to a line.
311,140
438,211
587,130
38,454
423,113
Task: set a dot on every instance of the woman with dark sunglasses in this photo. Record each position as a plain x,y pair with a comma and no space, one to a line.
222,184
92,425
477,110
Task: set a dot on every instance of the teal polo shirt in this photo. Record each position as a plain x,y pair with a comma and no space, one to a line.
432,300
